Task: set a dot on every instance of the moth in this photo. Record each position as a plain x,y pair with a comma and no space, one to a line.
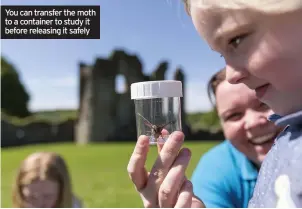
155,129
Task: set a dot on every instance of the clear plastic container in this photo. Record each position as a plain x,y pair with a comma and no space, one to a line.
157,108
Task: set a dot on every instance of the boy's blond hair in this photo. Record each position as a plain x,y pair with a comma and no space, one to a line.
43,166
265,6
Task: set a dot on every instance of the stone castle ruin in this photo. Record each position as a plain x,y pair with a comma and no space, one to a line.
104,114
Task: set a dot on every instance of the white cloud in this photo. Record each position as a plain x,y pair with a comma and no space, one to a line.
62,93
52,103
53,93
196,98
69,81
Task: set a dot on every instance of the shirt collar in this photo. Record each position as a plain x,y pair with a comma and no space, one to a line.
248,170
294,119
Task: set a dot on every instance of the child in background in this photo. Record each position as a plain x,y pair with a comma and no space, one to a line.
43,181
260,41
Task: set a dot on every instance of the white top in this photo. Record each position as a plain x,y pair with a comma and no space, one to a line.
156,89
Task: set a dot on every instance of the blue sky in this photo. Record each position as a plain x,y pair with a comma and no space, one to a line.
155,30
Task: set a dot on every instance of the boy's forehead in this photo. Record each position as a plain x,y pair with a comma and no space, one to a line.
265,6
212,23
206,21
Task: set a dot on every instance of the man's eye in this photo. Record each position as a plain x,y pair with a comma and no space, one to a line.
233,117
263,106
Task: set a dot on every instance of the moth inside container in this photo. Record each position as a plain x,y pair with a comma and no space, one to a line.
155,130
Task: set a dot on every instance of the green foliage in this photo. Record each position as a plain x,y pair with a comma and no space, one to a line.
204,121
13,94
211,119
56,115
98,171
208,121
50,117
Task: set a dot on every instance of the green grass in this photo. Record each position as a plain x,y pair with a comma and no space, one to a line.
98,171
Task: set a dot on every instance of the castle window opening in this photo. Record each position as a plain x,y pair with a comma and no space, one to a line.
120,84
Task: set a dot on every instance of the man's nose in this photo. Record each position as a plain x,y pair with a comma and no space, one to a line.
254,120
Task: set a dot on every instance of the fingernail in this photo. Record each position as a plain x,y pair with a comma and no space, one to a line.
179,136
143,140
186,152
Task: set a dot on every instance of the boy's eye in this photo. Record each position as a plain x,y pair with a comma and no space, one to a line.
234,42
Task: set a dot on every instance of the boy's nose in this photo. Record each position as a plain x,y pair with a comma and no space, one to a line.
235,76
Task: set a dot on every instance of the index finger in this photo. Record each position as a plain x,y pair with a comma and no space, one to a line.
165,159
136,167
159,144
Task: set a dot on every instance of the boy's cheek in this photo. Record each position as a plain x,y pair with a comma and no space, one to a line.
261,63
266,61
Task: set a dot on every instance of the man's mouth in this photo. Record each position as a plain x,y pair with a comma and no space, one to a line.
261,90
263,139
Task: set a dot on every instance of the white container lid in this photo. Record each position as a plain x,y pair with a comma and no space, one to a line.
156,89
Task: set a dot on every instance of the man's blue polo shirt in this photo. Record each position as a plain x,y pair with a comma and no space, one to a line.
224,177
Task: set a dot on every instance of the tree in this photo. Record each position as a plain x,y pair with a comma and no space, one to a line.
211,119
14,97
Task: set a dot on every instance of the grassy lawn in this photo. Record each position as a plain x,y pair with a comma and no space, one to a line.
98,171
